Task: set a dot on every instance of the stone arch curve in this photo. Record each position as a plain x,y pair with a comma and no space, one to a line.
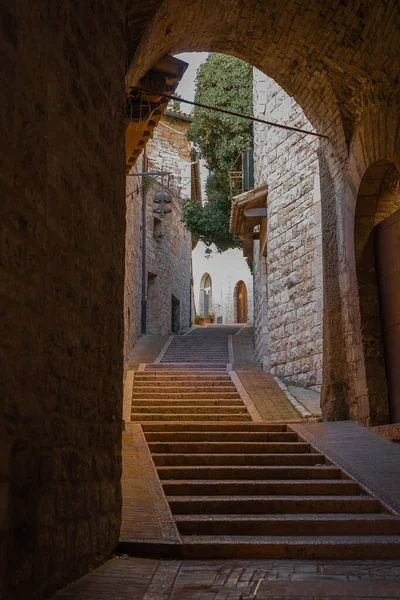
376,142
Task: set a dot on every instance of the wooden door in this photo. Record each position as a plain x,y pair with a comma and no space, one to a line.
241,302
387,247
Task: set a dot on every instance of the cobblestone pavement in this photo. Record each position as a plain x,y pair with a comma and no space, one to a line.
141,579
268,397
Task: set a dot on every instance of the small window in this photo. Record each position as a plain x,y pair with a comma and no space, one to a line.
157,228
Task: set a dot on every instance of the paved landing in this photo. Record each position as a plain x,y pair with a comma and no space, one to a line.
145,512
140,579
371,460
146,350
268,397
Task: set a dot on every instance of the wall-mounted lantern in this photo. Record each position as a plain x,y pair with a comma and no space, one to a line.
208,253
162,198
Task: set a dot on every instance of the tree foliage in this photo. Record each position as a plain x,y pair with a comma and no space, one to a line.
225,82
209,222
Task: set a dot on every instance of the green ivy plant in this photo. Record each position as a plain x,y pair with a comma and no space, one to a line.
225,82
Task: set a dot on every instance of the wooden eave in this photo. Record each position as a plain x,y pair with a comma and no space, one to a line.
240,224
144,110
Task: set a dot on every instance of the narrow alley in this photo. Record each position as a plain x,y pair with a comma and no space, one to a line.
200,300
219,503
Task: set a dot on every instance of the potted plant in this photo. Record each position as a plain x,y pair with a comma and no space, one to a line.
209,319
199,320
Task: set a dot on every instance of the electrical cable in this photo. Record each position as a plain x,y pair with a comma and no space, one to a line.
231,113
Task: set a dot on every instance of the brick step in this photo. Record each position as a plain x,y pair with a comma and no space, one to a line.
206,355
197,459
190,361
251,472
190,367
162,370
209,426
190,407
293,525
188,395
160,378
195,384
220,436
186,402
138,417
285,547
272,504
196,351
230,447
335,487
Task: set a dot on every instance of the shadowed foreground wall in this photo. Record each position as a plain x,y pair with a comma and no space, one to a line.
62,260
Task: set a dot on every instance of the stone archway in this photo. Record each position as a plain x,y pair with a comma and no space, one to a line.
240,303
378,198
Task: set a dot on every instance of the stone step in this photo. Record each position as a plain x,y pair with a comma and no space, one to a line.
206,367
190,361
198,459
335,487
182,385
291,547
209,427
230,447
272,504
177,395
138,417
251,472
186,402
220,436
190,407
171,379
289,524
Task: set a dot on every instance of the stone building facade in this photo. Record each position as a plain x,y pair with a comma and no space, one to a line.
288,284
226,270
164,302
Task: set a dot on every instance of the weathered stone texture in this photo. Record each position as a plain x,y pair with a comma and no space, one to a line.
168,244
62,270
339,63
289,330
260,302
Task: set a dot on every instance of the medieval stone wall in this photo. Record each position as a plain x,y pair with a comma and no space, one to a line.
168,244
288,162
62,268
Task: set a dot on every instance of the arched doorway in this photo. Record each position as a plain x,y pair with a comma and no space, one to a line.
240,302
205,304
377,255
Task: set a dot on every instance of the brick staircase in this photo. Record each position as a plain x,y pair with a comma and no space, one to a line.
164,395
241,489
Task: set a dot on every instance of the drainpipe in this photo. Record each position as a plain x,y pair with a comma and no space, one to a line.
144,232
